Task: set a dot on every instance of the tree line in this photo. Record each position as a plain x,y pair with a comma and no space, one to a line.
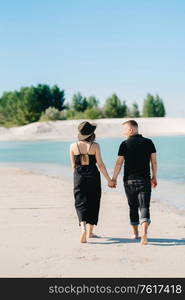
44,103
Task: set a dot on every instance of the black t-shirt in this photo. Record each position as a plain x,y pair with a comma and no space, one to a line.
136,151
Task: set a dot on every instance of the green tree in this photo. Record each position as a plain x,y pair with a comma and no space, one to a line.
26,105
79,103
52,114
92,102
2,118
133,112
159,107
8,107
72,114
153,106
114,107
149,106
58,98
93,113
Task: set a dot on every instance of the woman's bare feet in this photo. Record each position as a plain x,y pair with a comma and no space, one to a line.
144,240
83,237
91,234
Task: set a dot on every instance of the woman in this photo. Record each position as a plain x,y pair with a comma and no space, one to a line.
84,155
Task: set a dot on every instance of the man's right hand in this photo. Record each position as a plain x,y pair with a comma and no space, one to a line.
154,182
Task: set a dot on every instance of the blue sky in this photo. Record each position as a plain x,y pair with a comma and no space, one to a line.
96,47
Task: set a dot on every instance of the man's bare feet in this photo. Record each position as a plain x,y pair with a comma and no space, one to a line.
135,236
144,240
136,232
83,237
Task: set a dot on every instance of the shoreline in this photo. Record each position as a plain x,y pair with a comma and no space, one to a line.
119,192
56,171
40,233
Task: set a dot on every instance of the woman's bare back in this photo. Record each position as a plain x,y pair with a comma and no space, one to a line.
85,148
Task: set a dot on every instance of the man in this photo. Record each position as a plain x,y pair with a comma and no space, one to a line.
137,152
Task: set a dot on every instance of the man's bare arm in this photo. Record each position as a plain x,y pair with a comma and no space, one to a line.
118,167
153,159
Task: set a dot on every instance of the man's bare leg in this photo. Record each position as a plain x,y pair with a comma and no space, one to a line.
144,239
136,232
83,235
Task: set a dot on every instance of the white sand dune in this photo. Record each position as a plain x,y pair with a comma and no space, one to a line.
40,234
67,130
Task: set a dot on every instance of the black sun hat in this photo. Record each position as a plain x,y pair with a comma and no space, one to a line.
86,129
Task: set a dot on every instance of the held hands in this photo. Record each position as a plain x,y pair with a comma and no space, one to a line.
112,183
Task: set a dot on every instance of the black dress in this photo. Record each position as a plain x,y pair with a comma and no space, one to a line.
87,189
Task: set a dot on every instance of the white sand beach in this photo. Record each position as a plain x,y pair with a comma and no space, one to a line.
106,128
40,234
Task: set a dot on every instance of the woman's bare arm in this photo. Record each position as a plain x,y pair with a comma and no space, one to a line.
101,164
72,156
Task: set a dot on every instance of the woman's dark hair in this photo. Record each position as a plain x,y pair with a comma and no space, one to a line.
91,138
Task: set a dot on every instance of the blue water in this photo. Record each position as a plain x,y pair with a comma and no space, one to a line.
170,152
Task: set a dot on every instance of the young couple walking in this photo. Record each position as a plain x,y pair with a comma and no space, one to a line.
136,153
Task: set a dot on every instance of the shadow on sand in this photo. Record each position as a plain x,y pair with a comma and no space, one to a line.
151,241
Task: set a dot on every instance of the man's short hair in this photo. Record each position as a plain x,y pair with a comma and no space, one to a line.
131,123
